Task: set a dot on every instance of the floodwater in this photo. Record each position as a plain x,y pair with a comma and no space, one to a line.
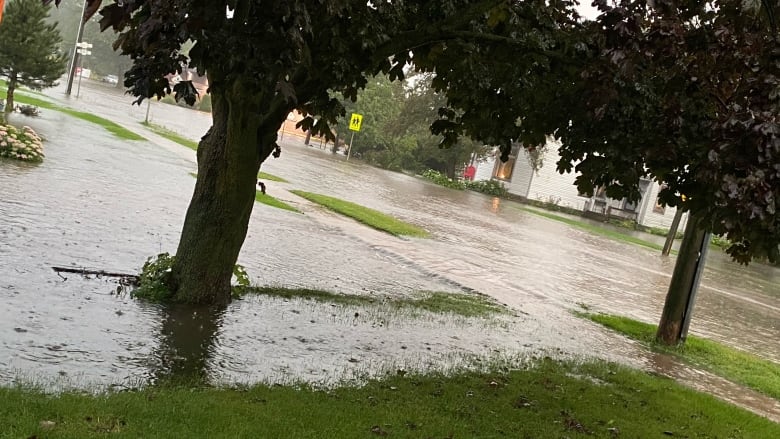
104,203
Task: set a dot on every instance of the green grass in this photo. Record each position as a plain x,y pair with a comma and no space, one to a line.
273,202
270,177
467,305
732,364
113,128
369,217
267,200
617,236
170,135
548,400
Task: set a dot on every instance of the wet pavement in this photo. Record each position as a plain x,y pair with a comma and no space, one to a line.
101,202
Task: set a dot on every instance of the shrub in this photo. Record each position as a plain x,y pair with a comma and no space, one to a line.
442,180
155,277
21,144
490,187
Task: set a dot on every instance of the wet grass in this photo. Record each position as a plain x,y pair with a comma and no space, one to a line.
170,135
369,217
267,200
612,234
467,305
270,177
273,202
113,128
732,364
546,400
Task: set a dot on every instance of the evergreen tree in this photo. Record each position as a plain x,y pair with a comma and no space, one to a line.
28,52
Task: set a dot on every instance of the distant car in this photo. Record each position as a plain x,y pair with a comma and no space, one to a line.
111,79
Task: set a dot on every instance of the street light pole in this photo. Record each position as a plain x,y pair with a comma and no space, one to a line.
73,60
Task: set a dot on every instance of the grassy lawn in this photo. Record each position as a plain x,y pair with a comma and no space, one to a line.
617,236
467,305
111,127
170,135
369,217
265,176
732,364
267,199
273,202
549,400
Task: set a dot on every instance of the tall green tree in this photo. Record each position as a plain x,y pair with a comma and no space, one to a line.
687,93
264,59
29,53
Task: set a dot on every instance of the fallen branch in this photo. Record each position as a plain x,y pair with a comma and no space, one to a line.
127,278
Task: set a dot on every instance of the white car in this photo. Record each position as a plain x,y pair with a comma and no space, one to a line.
111,79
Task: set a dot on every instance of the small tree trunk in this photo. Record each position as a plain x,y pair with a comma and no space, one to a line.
229,157
9,99
678,297
672,232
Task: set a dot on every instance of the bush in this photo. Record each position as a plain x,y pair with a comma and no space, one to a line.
21,144
156,273
442,180
490,187
154,278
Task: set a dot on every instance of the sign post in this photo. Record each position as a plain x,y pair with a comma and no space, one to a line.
355,122
83,50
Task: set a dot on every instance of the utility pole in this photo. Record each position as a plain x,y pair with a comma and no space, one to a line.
678,307
74,58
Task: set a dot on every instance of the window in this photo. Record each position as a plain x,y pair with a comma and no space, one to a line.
503,170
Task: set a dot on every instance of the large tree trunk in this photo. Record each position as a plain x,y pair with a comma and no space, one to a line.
9,98
229,157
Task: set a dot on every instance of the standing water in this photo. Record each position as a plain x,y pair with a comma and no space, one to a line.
105,203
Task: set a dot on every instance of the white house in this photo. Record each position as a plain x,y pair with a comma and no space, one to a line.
547,185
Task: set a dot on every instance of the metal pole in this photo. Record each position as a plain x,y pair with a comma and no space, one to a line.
81,73
73,60
148,106
349,151
704,246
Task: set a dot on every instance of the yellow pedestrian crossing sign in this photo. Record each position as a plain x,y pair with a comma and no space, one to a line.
355,122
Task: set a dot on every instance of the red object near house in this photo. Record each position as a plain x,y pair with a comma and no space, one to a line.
469,172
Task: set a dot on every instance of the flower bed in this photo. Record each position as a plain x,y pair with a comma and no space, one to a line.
21,144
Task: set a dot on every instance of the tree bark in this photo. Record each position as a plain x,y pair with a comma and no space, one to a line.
677,298
229,158
9,98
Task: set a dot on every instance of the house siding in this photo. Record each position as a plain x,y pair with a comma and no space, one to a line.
648,217
547,185
552,187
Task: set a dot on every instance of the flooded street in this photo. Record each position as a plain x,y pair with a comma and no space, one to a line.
105,203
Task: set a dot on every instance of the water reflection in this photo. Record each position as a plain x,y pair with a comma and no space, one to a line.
187,342
101,202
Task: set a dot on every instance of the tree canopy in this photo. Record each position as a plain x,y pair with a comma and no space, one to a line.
687,93
684,92
28,52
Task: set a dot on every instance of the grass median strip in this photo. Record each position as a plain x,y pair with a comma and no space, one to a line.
546,400
113,128
270,177
735,365
467,305
273,202
369,217
170,135
267,200
617,236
